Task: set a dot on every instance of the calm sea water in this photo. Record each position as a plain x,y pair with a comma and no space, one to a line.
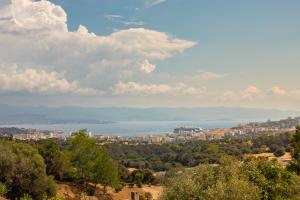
132,128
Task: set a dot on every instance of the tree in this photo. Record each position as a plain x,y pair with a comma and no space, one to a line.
295,144
23,171
91,161
274,181
137,177
149,177
56,164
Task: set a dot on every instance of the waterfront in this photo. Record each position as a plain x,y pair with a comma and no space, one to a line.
131,128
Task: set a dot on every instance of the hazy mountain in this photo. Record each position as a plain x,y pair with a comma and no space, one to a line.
30,114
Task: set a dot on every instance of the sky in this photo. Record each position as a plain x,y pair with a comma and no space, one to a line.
150,53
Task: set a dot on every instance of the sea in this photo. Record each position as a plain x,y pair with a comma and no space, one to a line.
131,128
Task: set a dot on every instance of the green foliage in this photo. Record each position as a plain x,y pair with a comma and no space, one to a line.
213,148
274,181
3,189
137,177
140,177
271,142
26,197
56,162
23,171
295,144
92,162
167,156
254,178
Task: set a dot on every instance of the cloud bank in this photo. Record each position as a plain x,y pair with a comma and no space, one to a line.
35,38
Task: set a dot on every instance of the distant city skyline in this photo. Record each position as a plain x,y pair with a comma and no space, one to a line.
150,53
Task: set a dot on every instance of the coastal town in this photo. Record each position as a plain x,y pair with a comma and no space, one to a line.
180,134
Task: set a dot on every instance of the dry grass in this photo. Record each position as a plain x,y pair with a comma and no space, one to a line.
70,190
283,160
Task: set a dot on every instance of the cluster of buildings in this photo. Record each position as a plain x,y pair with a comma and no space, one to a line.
28,134
179,134
270,127
38,135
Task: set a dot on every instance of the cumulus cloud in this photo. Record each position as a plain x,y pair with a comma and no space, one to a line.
154,89
34,35
147,67
250,92
277,91
253,93
33,81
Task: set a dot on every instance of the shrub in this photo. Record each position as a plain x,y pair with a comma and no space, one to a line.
279,152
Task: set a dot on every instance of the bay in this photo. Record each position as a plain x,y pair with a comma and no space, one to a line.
131,128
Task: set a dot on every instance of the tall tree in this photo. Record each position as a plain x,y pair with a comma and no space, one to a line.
295,144
56,164
92,162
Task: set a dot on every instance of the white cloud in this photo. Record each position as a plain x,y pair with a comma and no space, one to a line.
123,20
251,92
147,67
29,15
34,35
154,89
205,75
277,91
33,81
150,3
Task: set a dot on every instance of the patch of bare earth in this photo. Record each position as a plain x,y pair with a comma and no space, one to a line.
71,191
283,160
125,194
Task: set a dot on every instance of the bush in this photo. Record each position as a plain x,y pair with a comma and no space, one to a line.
255,178
279,152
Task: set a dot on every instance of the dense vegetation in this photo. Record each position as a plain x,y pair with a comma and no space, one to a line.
250,178
23,171
28,170
214,169
190,154
295,143
254,178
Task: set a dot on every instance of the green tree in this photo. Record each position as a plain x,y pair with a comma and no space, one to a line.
137,177
295,144
23,171
56,163
92,162
274,181
149,177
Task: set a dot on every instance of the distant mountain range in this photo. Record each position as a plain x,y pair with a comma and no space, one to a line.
57,115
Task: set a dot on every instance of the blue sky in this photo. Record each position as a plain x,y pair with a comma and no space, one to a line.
209,53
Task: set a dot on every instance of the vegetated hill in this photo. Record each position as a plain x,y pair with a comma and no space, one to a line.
41,114
13,130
